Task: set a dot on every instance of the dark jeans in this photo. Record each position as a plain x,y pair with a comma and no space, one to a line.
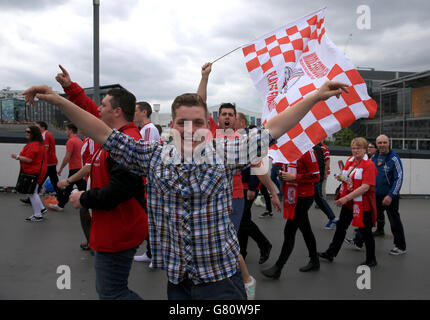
345,219
301,221
321,202
274,175
84,214
248,228
53,177
395,222
227,289
267,198
63,197
112,271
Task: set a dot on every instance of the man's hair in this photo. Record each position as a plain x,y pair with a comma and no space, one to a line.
125,100
227,106
359,141
43,124
35,134
143,105
72,127
243,117
188,100
160,130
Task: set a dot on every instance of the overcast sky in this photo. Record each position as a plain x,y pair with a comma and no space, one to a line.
155,48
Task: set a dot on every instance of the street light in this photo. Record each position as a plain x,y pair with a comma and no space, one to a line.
96,97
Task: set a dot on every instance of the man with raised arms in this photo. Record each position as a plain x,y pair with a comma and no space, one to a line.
189,203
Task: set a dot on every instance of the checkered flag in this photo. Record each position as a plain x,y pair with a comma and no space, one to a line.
294,61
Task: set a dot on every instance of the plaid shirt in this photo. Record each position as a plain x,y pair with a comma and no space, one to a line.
189,205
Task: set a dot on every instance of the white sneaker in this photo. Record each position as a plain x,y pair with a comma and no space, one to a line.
34,218
250,288
142,258
259,202
397,252
151,265
55,207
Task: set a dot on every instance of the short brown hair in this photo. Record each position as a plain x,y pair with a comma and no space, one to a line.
188,100
359,141
243,117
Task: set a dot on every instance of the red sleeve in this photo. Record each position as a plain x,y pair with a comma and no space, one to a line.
78,96
30,151
69,146
369,173
310,163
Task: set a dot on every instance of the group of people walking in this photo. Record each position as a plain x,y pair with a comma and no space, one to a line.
196,217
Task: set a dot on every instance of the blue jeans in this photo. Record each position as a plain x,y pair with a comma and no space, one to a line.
274,175
236,215
227,289
112,271
321,202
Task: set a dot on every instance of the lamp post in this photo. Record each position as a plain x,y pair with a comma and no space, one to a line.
96,52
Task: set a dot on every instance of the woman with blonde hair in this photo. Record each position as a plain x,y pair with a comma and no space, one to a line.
357,199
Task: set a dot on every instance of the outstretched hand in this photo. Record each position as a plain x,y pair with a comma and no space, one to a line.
63,78
42,92
330,89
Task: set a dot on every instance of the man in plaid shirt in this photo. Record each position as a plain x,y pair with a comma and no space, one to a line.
189,187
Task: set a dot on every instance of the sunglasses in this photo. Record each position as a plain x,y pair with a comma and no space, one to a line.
28,131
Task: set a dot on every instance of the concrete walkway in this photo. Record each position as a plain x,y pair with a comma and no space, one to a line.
32,252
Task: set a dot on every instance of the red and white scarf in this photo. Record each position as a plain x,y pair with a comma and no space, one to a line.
355,173
289,189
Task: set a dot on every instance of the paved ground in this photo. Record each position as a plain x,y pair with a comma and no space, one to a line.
32,252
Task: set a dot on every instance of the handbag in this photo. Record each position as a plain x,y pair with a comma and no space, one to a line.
26,183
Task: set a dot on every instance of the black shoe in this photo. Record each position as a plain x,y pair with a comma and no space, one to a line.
314,264
325,256
273,272
26,201
378,233
264,254
370,264
44,211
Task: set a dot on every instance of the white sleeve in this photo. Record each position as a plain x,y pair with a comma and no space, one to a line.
150,133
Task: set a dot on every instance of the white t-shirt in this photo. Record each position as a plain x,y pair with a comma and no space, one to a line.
150,132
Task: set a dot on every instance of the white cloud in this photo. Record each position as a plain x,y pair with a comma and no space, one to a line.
155,49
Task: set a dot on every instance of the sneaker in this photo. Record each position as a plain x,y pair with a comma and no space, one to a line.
33,218
250,288
378,233
84,246
55,207
352,243
25,201
326,256
397,252
258,202
266,214
142,258
331,224
151,265
370,264
44,211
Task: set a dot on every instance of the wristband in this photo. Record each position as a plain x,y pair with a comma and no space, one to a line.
17,157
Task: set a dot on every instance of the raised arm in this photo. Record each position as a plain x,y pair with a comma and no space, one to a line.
202,90
288,118
87,123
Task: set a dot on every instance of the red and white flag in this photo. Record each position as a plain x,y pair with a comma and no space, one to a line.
290,63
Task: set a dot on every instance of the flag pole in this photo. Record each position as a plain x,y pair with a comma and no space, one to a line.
226,54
